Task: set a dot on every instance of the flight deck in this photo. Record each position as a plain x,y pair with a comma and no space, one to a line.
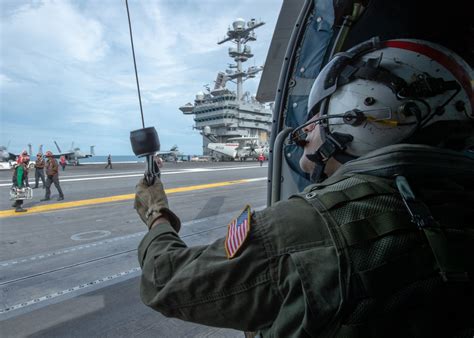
70,268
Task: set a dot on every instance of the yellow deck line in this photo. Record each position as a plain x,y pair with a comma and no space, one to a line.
116,198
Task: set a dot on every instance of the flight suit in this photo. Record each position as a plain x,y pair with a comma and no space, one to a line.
340,259
39,171
52,173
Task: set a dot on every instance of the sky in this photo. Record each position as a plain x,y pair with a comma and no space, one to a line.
66,68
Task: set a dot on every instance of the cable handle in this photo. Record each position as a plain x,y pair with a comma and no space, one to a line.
152,170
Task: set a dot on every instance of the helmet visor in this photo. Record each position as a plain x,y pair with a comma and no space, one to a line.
325,84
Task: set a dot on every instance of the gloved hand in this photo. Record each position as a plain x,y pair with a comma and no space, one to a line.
151,203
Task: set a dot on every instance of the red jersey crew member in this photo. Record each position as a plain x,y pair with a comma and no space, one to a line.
52,173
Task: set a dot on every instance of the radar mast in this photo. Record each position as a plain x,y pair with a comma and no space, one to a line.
240,35
222,114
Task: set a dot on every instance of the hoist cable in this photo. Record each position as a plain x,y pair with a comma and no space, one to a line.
135,64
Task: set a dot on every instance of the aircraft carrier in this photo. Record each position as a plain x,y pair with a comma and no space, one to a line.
70,269
221,113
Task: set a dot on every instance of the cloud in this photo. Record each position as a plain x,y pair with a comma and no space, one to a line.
5,80
55,27
66,67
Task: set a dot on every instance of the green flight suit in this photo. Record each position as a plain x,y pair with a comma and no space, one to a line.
200,284
292,278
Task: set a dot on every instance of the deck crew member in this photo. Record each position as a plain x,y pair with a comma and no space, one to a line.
52,174
109,162
19,160
63,162
20,179
39,170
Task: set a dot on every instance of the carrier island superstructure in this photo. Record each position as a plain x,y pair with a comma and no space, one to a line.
221,114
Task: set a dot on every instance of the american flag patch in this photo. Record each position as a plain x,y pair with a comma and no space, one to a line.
237,232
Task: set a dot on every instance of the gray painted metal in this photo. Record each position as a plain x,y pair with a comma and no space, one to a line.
277,164
289,13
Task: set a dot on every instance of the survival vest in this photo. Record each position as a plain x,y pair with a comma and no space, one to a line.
397,279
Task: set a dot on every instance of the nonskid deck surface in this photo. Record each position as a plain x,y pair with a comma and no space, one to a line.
72,269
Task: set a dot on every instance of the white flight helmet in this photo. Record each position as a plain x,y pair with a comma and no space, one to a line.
381,93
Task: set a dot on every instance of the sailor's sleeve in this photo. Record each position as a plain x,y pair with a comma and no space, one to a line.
201,285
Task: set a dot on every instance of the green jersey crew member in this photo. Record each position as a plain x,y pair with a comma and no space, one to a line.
20,179
383,247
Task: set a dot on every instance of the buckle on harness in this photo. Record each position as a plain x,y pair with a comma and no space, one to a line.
419,212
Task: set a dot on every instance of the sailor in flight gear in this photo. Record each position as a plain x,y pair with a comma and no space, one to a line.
383,247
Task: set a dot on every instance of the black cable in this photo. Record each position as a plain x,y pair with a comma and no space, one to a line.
135,63
440,110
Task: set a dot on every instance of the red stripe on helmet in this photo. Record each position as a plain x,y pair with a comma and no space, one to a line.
448,62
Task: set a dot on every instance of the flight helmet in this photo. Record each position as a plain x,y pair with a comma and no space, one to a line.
49,154
380,93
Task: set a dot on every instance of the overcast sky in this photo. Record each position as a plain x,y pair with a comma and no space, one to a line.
66,68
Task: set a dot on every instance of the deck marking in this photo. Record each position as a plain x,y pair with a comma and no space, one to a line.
70,249
90,235
118,198
133,271
140,234
87,175
73,178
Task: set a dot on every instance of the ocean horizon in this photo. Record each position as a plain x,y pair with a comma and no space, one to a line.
121,159
115,159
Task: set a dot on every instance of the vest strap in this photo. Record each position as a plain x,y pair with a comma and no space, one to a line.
376,226
358,191
452,261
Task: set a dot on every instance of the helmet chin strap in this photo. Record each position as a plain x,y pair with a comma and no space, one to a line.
318,174
334,144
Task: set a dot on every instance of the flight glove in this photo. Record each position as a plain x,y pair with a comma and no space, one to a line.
151,203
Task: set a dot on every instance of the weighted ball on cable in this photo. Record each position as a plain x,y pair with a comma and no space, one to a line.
145,141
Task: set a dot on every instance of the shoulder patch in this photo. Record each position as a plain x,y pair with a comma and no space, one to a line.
237,232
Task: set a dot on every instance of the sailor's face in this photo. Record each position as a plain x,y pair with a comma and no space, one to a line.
313,139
